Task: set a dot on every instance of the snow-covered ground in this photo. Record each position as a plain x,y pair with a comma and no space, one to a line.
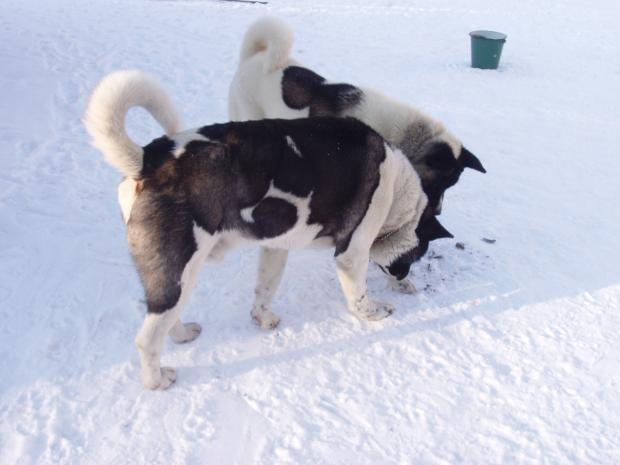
509,353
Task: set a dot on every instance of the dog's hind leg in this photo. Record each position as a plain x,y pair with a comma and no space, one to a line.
184,332
168,285
151,337
352,268
270,269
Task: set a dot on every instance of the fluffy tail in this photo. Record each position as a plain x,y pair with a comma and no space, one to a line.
106,111
271,34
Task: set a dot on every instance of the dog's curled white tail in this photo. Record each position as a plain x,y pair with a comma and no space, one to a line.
108,107
271,34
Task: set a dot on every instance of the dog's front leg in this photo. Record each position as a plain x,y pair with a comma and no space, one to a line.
271,266
352,268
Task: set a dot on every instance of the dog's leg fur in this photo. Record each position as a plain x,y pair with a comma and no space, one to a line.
270,269
352,264
405,285
184,332
352,269
152,335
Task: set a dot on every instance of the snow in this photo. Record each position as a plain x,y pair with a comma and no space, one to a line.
508,354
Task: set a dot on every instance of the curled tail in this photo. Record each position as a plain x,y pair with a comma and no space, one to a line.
106,111
268,34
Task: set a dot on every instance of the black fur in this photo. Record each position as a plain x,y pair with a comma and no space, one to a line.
428,230
441,171
161,241
155,154
273,217
469,160
303,88
211,182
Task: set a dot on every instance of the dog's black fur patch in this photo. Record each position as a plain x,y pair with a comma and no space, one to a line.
161,241
441,171
428,230
155,154
303,88
273,217
336,160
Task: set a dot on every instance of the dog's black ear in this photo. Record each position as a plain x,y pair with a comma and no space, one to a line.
432,229
333,99
469,160
299,86
440,157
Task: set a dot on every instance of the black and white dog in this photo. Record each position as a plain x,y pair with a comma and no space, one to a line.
189,197
270,84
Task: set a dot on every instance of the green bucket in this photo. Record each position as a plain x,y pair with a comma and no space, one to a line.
486,48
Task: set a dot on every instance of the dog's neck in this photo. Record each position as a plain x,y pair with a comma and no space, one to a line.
409,199
402,125
397,234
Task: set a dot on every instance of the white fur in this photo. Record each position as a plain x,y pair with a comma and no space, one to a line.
246,214
405,286
126,197
272,36
291,144
256,93
255,89
271,266
391,118
152,335
352,265
404,214
181,139
108,107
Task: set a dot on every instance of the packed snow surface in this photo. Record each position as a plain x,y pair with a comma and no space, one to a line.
508,354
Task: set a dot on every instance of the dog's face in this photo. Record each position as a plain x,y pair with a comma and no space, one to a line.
428,230
440,168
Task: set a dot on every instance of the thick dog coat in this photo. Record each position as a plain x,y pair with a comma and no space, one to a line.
189,197
270,84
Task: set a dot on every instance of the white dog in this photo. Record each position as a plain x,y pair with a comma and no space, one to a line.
270,84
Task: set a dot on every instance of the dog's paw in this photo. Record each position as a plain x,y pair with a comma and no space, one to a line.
185,332
265,319
405,286
374,311
167,377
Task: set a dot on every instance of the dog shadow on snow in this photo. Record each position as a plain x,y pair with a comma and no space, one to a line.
454,283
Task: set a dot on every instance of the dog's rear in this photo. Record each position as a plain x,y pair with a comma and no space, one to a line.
272,36
164,248
255,89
